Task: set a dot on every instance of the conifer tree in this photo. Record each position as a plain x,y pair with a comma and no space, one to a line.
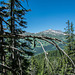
70,46
70,36
2,52
17,49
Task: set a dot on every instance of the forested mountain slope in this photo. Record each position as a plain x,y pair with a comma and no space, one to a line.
57,64
50,33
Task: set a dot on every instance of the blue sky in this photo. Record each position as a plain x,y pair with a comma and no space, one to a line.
50,14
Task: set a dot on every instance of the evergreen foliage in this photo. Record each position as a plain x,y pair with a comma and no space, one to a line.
59,64
14,53
15,48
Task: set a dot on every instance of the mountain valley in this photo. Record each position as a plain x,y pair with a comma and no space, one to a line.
49,33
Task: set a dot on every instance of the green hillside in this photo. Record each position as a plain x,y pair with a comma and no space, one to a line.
57,64
49,33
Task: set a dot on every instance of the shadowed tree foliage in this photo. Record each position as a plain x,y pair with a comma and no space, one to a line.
15,47
15,51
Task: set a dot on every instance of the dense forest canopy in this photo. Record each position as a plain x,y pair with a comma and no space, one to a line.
17,47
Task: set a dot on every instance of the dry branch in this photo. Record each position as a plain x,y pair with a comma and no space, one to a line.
63,53
45,55
53,43
23,36
40,37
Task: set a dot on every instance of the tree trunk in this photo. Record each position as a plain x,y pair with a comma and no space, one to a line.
2,53
12,32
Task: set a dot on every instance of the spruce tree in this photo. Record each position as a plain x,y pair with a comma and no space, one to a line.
17,50
70,46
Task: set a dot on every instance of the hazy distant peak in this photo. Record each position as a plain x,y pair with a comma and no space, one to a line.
51,31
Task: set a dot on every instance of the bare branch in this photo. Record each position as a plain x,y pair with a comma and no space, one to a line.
43,48
23,36
53,43
63,53
13,48
45,55
40,37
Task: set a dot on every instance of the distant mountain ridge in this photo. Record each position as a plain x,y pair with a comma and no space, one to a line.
50,33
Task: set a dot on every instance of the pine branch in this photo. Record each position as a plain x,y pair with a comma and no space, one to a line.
13,48
3,7
20,4
19,23
6,22
8,68
13,19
